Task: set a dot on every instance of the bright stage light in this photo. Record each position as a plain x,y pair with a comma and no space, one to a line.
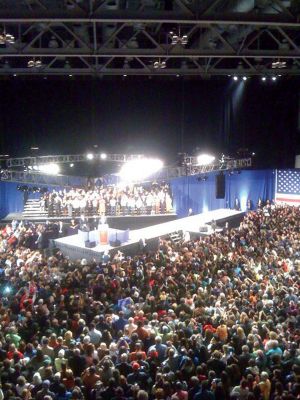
244,78
90,156
49,169
235,78
263,78
274,78
71,165
103,156
205,159
137,170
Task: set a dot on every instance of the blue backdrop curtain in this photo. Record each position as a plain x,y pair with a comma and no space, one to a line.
11,199
251,185
190,192
200,196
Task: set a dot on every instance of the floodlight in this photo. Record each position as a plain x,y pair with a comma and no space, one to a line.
274,78
263,78
71,165
137,170
103,156
90,156
235,78
244,78
205,159
50,169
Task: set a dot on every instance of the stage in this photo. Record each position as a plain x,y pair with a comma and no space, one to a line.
117,222
72,247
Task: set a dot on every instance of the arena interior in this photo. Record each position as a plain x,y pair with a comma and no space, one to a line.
149,199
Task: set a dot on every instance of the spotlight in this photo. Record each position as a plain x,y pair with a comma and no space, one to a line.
205,159
103,156
274,78
263,78
71,165
137,170
235,78
90,156
50,169
244,78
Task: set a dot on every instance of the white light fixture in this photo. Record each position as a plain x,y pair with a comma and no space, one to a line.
244,78
159,64
263,78
103,156
6,38
278,64
90,156
274,78
138,170
71,165
205,159
34,63
178,39
235,78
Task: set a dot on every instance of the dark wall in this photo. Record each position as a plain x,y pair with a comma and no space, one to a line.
155,116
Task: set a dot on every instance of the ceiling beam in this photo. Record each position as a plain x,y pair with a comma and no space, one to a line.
234,20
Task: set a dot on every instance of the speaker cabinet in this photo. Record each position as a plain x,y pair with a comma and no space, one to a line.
220,186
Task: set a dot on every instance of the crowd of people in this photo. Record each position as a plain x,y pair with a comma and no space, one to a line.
108,200
215,318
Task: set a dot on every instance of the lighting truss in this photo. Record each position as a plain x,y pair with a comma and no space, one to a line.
166,173
192,169
70,158
96,37
32,177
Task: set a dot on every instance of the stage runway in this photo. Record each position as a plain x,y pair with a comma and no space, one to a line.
72,246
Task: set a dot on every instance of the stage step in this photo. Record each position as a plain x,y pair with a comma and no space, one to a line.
32,209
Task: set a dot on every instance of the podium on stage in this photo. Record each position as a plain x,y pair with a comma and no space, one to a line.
103,234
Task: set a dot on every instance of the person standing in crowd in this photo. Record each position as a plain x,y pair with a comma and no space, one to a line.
212,318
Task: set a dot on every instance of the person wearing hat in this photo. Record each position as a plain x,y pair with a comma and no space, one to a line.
138,377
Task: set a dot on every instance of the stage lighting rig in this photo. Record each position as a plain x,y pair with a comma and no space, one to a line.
6,38
178,38
34,63
159,64
278,64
